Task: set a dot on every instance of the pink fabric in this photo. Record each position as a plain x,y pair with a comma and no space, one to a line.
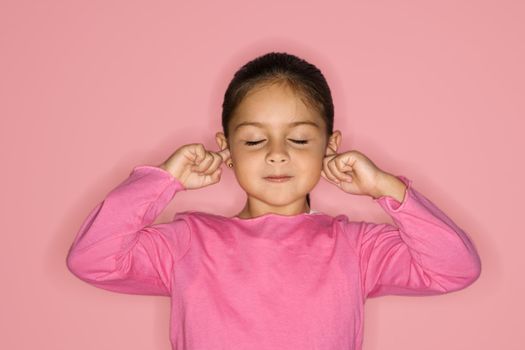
270,282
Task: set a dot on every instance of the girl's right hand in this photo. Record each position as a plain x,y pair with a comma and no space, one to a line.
194,166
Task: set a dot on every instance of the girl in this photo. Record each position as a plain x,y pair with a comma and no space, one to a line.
278,275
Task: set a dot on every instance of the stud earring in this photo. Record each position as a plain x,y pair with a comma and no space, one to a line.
230,164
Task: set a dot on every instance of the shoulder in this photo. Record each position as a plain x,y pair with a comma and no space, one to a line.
351,230
194,219
186,224
344,222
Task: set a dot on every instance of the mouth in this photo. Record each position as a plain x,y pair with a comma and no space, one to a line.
278,178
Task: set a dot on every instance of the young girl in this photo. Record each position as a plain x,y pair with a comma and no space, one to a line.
278,275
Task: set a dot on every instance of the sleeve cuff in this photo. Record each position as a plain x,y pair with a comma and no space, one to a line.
393,204
153,169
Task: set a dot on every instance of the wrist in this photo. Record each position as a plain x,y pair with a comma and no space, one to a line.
167,168
390,185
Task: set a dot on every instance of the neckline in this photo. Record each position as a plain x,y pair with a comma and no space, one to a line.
280,216
260,217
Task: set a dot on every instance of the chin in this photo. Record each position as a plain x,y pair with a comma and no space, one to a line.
279,201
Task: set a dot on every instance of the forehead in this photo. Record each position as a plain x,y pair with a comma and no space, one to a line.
274,106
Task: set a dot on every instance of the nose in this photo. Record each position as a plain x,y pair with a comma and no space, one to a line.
277,154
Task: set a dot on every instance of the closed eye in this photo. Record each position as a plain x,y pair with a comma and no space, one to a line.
253,143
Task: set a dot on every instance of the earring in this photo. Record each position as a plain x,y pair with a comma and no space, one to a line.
230,164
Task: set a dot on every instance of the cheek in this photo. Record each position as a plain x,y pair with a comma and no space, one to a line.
244,158
309,171
247,165
312,161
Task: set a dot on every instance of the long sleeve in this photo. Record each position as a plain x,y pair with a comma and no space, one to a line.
118,249
426,254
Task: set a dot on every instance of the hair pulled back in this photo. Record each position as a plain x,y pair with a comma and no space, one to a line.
305,79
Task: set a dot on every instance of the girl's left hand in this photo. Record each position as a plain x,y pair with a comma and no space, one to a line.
353,172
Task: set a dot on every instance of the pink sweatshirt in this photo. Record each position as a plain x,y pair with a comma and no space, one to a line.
271,282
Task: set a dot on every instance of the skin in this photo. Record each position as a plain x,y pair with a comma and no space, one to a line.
276,106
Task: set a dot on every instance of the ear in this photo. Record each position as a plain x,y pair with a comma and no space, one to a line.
333,143
221,141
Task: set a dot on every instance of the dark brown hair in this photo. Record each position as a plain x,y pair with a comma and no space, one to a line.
304,78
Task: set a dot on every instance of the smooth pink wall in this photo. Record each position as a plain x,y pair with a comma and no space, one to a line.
433,90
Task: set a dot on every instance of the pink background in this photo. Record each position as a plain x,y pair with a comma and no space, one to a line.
433,90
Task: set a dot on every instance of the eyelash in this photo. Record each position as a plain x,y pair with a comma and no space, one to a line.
253,143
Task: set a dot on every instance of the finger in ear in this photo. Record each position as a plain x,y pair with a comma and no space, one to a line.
331,177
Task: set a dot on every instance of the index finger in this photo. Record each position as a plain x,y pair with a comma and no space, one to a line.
224,154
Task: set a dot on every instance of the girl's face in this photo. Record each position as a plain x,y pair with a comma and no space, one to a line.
273,133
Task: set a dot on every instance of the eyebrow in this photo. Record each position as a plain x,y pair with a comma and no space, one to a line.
260,125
